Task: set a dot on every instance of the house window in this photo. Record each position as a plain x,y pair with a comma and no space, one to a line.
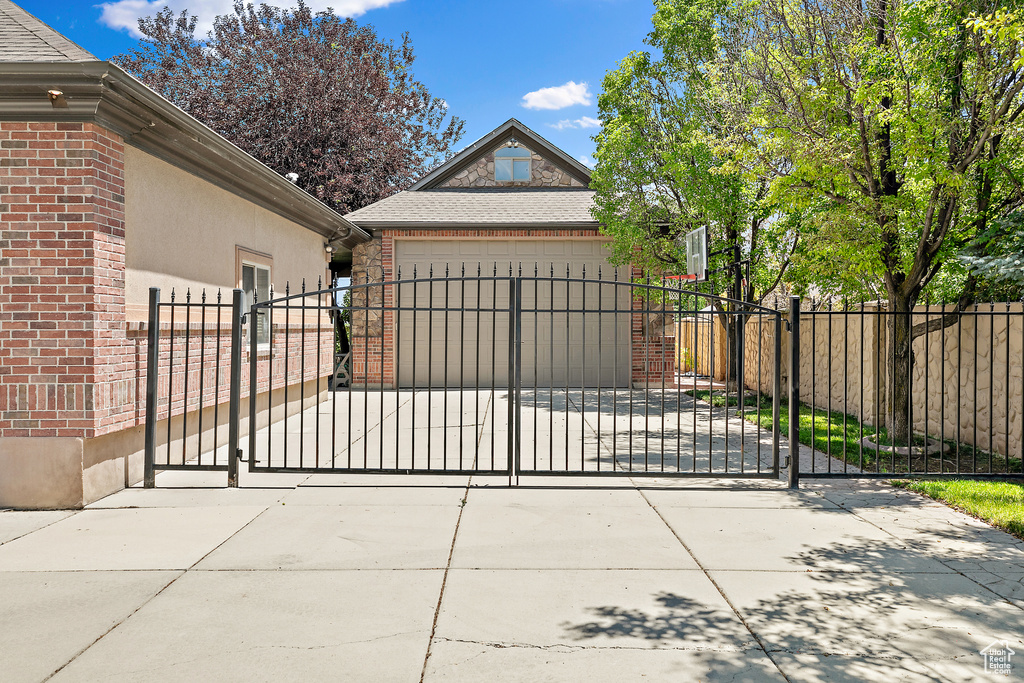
512,163
254,281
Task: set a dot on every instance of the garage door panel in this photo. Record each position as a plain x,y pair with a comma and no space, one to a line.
559,348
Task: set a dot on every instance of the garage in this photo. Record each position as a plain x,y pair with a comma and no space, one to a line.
455,332
473,212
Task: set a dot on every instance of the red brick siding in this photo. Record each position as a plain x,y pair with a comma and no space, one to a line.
64,357
188,380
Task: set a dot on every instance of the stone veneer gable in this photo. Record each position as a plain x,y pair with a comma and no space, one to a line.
543,174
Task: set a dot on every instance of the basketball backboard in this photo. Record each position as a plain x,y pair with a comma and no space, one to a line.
697,253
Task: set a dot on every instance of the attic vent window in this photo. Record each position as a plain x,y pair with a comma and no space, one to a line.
512,163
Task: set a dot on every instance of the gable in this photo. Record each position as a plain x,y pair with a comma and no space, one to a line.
473,167
543,173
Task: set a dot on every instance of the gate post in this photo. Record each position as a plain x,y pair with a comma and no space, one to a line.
513,346
519,373
152,379
776,395
794,393
235,388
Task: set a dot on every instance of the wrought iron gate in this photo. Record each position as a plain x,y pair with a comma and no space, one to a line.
560,373
510,373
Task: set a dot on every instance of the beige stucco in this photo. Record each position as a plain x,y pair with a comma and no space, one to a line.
182,232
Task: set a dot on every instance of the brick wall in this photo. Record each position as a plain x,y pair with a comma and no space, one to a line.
194,363
64,357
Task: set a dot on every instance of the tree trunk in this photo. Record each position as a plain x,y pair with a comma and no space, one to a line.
900,355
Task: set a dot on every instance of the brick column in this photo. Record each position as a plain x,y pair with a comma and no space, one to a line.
64,358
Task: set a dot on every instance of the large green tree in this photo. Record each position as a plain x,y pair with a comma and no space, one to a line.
658,177
890,127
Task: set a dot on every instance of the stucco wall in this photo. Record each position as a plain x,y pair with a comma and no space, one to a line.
182,232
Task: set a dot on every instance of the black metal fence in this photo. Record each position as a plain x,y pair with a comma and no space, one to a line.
193,387
509,372
498,373
927,392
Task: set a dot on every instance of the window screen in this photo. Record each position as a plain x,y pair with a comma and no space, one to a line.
256,281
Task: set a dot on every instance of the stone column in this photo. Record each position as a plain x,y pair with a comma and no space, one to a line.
368,324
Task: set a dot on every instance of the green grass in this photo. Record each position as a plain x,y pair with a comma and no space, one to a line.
999,503
839,435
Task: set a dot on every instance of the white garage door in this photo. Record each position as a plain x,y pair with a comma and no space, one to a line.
464,339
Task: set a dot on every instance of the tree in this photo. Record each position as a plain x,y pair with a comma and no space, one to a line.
657,177
892,125
998,253
304,93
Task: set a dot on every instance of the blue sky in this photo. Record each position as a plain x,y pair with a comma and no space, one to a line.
486,58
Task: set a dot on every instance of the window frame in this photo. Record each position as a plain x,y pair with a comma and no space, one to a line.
258,261
526,160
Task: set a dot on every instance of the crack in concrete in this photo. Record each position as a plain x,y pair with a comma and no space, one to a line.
707,574
448,565
565,647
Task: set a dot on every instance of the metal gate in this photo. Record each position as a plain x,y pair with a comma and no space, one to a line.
512,373
568,373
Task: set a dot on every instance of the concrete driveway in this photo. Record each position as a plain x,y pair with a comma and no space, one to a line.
372,578
561,429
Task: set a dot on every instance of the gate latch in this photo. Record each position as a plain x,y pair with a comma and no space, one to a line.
241,458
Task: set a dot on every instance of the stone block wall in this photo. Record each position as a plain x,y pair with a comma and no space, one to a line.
968,376
372,330
543,173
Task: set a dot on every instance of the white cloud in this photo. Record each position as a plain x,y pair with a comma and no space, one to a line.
559,97
125,14
585,122
586,161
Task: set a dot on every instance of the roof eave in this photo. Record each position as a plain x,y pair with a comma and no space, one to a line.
103,93
478,225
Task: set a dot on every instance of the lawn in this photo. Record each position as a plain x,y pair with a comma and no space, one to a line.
838,435
999,503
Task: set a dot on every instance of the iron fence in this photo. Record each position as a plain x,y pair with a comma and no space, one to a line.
192,383
502,372
933,391
511,370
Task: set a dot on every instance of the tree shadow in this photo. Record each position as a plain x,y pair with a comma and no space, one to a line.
680,621
891,612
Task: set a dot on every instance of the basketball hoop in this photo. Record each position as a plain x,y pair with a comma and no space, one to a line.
678,282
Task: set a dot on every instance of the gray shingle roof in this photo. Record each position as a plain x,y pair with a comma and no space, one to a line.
479,206
23,38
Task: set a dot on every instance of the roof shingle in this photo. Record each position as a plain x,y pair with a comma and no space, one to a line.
23,38
479,206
